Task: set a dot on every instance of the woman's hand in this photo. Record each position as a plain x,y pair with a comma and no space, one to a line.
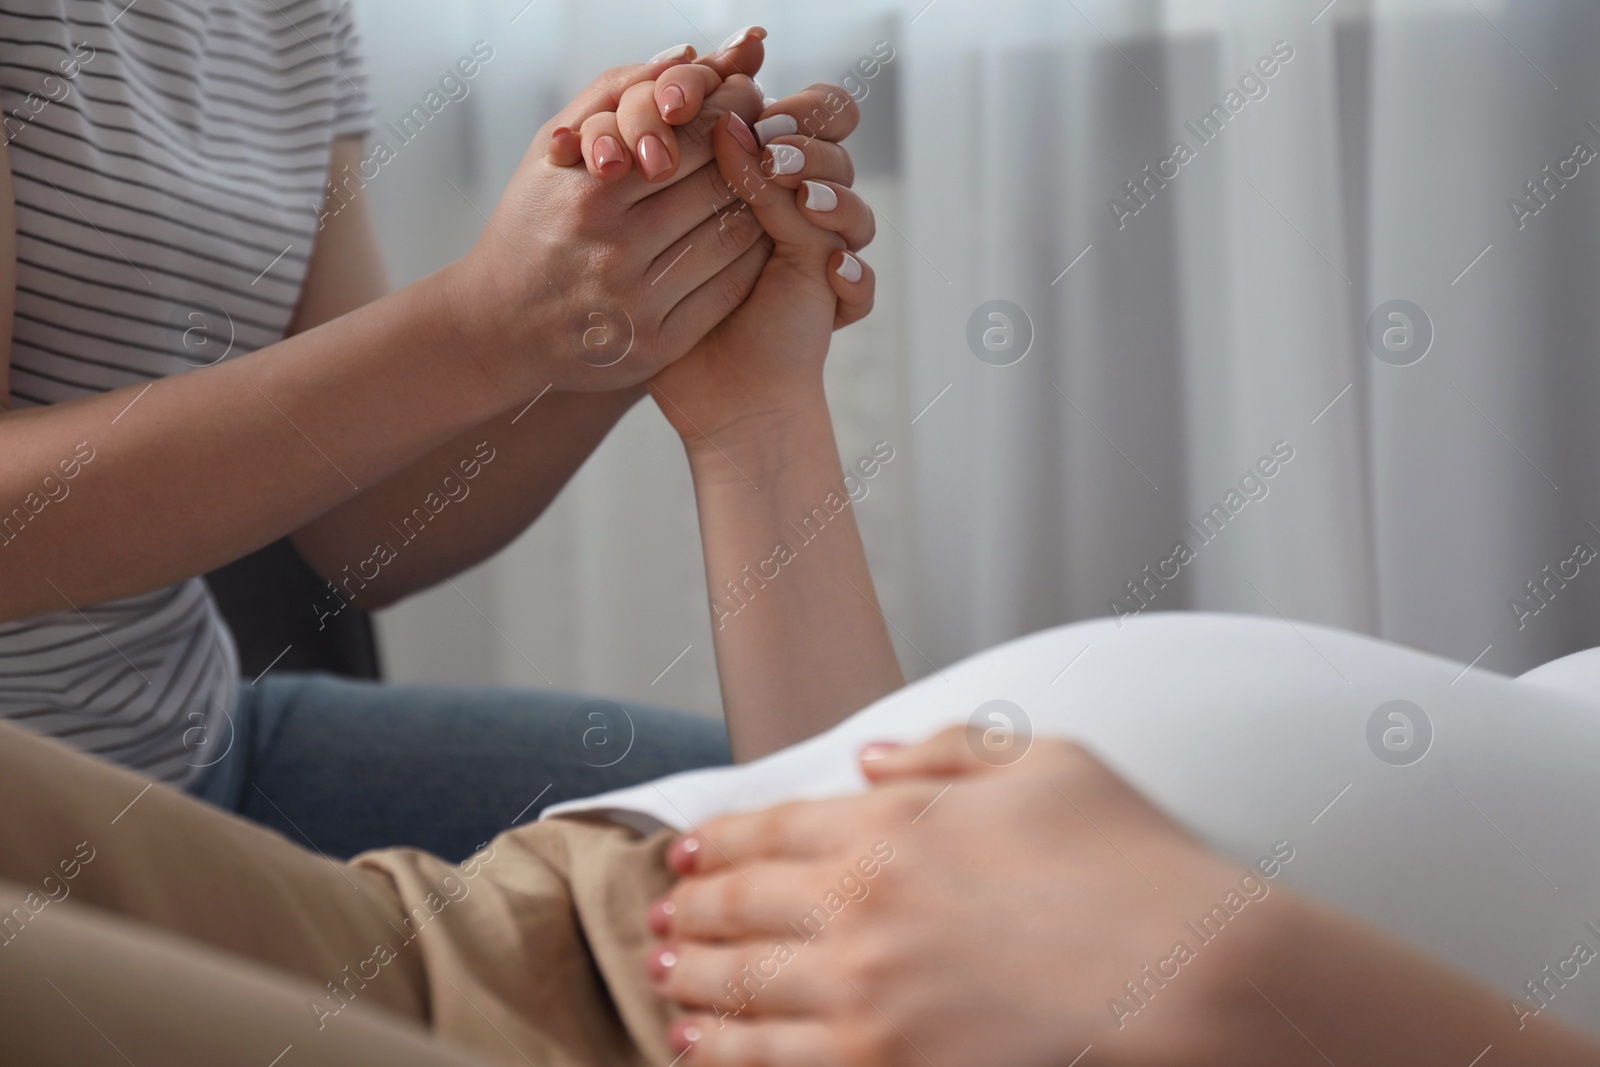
763,363
569,286
989,921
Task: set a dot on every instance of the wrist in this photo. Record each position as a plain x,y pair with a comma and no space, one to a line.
477,314
1269,952
762,445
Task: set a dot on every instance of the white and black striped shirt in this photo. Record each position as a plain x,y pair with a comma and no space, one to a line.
168,159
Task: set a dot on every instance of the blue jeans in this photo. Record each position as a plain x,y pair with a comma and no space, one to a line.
345,766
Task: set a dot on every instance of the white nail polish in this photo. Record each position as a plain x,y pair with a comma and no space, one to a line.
787,159
776,126
675,52
737,39
820,197
850,269
768,101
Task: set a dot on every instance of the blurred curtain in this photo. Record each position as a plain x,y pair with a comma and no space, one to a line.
1176,339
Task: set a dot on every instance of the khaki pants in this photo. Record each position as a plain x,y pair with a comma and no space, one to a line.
139,925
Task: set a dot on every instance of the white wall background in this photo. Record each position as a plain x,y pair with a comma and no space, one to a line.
1224,317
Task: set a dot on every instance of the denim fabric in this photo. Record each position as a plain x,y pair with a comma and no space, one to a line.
345,766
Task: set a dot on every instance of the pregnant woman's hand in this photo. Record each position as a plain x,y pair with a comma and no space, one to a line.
764,361
586,285
989,921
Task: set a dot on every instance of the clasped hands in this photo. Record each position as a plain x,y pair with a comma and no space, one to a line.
692,258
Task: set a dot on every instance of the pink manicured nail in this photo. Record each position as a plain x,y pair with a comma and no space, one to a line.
653,157
878,749
682,855
608,153
741,133
659,962
684,1036
672,100
659,917
562,138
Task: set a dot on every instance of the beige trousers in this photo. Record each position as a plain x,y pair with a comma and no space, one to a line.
139,925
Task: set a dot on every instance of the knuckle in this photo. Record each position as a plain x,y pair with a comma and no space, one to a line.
590,209
832,109
736,230
733,901
615,80
815,121
846,167
772,827
603,264
717,191
869,233
741,87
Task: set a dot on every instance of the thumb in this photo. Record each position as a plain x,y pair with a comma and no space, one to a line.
949,753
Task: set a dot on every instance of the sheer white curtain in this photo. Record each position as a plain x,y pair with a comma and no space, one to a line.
1224,318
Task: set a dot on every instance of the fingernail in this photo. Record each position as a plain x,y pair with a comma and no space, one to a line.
850,271
608,153
684,1037
820,197
878,749
653,157
681,51
786,159
741,133
672,99
658,963
682,854
659,917
561,135
768,101
776,126
742,36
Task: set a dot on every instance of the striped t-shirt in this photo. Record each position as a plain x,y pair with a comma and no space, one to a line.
168,160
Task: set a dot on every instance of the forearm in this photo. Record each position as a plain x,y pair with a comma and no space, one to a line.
463,502
1363,998
196,470
800,640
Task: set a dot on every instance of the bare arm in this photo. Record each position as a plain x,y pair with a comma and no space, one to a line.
800,640
415,512
1369,999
